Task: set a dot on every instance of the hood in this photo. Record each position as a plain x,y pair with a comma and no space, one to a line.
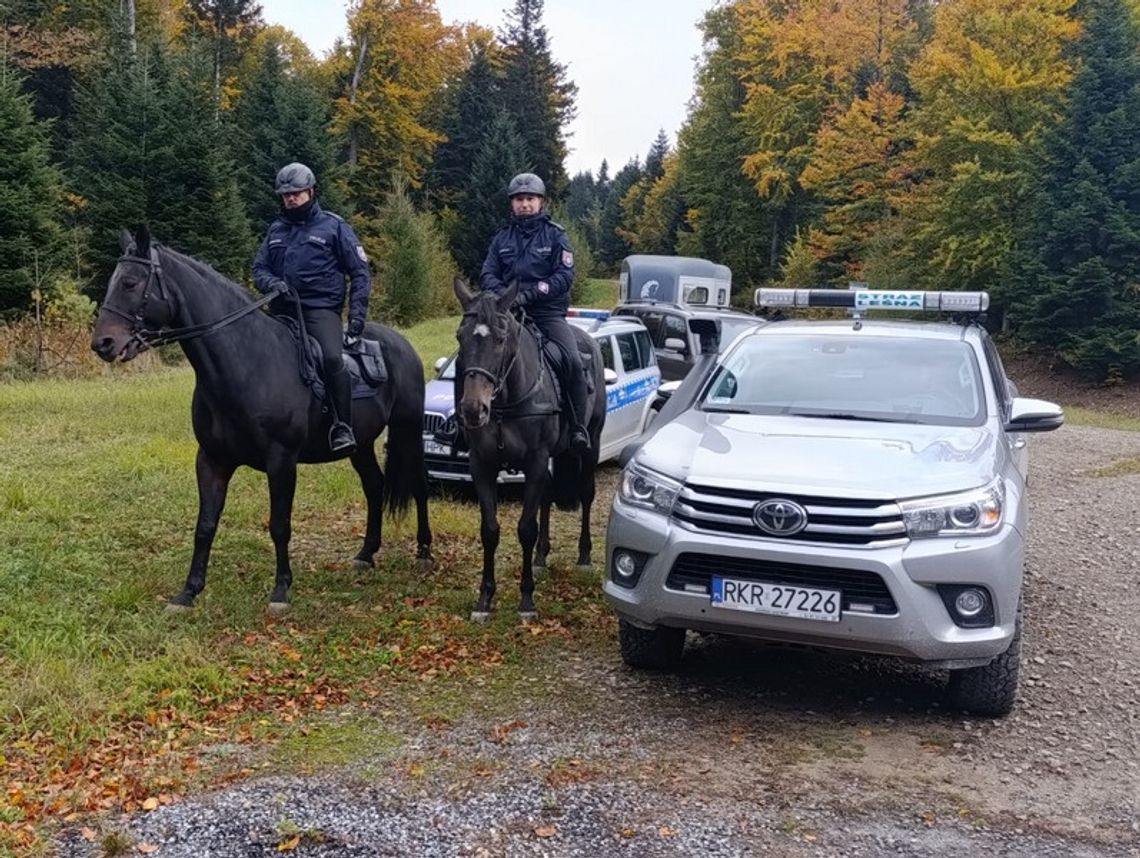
833,458
439,397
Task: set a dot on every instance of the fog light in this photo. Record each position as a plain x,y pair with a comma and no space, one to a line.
625,565
970,603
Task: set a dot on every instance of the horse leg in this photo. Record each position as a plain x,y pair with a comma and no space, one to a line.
213,483
282,473
534,494
586,490
372,481
487,490
424,560
542,550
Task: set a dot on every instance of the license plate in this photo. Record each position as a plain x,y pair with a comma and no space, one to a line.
435,448
780,600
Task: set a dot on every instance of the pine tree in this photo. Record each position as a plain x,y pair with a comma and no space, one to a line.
148,147
655,160
612,248
281,117
1089,207
468,119
29,195
537,93
485,196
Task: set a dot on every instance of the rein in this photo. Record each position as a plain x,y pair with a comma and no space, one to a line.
147,338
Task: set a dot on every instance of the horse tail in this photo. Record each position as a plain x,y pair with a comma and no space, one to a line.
405,475
567,476
403,466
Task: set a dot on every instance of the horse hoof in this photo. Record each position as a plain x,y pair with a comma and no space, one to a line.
278,608
538,567
585,567
175,608
358,563
424,564
527,617
480,616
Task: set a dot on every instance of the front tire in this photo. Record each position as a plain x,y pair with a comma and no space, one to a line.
991,689
659,648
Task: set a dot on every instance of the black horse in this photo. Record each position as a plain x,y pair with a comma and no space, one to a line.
250,406
511,415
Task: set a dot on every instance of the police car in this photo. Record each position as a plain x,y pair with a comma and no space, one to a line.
631,374
855,484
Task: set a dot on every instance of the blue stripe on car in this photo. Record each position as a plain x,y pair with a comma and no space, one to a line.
629,393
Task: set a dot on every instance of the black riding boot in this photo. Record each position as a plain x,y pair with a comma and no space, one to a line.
341,439
579,437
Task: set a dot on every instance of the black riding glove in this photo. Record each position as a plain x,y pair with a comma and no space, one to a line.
279,287
355,327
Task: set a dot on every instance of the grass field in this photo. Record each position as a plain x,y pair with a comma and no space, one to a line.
105,700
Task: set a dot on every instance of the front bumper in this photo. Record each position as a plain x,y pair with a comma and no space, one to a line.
919,628
452,467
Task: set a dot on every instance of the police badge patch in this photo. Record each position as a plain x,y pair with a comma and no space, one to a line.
543,287
567,258
360,252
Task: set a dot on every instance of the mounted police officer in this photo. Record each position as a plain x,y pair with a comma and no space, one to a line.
310,251
535,251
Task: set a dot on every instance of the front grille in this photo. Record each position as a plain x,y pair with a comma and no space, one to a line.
446,464
433,422
857,586
867,523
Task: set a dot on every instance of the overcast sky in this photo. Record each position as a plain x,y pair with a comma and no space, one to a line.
632,60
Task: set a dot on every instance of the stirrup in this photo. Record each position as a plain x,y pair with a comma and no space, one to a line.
341,439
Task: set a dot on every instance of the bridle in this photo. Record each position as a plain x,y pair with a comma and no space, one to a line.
498,379
146,338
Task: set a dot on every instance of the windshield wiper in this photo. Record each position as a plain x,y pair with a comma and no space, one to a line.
844,415
724,409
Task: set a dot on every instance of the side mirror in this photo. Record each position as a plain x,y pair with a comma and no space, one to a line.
1034,415
610,376
440,363
675,344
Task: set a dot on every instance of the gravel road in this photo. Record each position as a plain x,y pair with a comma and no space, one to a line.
751,750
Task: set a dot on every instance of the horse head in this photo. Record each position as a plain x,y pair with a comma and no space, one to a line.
136,300
488,341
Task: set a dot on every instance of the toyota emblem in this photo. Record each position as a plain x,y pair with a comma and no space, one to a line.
780,517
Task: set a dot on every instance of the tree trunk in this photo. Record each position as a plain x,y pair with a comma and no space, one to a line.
132,36
353,143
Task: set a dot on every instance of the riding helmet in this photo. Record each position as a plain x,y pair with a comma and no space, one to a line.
526,183
294,177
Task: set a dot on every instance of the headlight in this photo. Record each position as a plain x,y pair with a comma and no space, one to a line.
645,488
973,513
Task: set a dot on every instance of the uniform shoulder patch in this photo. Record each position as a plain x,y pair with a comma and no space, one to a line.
567,258
360,252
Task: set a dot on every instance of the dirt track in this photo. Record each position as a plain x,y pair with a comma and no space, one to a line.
751,750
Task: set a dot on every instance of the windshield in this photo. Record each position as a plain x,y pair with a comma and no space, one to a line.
732,327
852,377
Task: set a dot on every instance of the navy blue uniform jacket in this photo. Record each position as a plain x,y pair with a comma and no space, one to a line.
535,251
313,257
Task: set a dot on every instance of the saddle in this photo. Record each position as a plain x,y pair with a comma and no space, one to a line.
555,362
362,358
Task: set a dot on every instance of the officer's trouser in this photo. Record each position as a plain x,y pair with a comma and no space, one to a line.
325,327
573,377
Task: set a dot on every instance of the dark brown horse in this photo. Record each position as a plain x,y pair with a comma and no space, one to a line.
512,417
250,406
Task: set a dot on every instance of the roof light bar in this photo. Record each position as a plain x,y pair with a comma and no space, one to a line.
577,313
876,299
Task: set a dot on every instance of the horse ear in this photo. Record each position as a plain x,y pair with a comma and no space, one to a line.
465,295
142,241
125,241
508,295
